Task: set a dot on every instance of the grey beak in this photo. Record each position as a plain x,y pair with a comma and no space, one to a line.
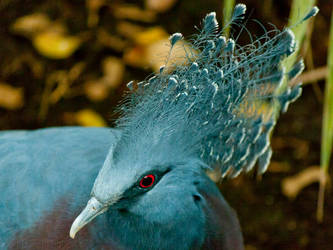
93,209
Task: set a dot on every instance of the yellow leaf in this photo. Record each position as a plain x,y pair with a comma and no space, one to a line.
151,35
89,118
10,97
54,45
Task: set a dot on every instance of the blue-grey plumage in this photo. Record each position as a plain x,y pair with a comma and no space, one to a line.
152,191
51,171
37,169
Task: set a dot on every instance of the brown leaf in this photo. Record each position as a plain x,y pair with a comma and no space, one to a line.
31,24
279,167
136,57
160,5
113,69
158,54
93,7
129,30
110,41
300,147
96,90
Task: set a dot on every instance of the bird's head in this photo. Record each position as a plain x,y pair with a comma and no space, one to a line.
143,181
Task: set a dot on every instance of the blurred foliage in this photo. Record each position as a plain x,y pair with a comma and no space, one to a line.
299,8
67,62
327,130
228,7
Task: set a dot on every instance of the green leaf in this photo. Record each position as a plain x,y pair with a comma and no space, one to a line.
228,9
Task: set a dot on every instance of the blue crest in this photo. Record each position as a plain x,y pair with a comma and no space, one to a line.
219,107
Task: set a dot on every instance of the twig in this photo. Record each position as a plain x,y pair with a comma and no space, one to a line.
321,195
311,76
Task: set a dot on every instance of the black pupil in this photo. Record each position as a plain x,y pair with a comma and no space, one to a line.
146,181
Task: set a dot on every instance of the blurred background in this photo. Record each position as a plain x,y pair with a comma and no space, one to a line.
67,62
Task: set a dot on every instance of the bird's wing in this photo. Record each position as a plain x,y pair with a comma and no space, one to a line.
222,228
39,168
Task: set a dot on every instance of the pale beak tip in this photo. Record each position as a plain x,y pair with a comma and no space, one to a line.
72,234
93,209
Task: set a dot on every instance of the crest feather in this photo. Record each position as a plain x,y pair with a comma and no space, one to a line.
219,107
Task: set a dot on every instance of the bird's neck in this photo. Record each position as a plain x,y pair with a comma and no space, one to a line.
125,230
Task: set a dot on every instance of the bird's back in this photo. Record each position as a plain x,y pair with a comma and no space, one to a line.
47,171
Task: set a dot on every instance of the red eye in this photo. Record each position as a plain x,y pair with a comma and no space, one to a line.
147,181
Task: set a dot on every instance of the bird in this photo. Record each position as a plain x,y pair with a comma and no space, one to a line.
144,183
